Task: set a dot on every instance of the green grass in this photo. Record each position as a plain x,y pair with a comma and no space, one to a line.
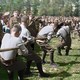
68,69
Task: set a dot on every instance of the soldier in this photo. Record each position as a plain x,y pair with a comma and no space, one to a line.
15,19
77,28
9,58
26,36
33,27
64,37
43,37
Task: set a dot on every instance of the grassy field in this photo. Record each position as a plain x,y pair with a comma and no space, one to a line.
68,66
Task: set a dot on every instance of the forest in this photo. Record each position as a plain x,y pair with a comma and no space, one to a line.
43,7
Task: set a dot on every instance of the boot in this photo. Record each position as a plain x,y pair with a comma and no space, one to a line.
51,57
67,52
10,75
43,57
59,51
28,72
20,75
52,63
42,74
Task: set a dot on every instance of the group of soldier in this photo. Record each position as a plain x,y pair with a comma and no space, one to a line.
20,32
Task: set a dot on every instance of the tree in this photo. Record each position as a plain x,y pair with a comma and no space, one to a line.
43,7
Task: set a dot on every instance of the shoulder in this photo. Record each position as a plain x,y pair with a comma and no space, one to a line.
7,34
6,37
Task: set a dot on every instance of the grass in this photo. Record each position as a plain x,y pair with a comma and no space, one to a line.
68,66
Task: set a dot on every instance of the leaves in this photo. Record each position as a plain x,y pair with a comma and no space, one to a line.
43,7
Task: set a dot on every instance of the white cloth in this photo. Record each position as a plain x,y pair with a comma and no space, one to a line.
63,31
9,41
25,33
47,31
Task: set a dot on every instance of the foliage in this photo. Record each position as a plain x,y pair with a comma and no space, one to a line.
43,7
